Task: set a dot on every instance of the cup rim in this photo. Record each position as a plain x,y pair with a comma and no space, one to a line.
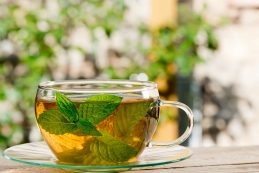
139,86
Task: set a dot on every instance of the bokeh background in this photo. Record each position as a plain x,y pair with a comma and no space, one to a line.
201,52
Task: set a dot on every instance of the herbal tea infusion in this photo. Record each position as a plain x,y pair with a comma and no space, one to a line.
101,122
100,129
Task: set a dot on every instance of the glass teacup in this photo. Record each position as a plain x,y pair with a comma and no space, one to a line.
101,122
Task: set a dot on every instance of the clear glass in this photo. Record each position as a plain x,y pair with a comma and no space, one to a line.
38,154
101,122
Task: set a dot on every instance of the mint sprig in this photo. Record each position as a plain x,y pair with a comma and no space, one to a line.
67,119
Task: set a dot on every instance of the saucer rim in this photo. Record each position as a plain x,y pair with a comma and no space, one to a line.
67,166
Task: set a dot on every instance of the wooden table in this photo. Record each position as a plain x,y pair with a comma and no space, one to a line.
204,160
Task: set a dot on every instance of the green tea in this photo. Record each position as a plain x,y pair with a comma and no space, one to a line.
101,129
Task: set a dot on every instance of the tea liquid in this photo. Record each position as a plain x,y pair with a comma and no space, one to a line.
132,123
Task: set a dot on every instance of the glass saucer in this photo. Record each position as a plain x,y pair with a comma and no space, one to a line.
38,154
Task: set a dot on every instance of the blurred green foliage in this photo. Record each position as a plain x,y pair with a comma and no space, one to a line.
175,45
29,37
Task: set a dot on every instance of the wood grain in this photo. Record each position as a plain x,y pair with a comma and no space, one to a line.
243,168
218,159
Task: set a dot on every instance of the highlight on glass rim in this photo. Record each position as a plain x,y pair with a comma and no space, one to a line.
129,85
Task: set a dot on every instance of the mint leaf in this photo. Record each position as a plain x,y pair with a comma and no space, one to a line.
111,149
104,150
97,108
66,119
54,122
92,159
86,128
66,107
128,116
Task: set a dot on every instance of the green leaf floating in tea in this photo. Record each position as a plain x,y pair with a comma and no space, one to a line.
86,128
66,107
106,150
67,119
128,116
99,107
111,149
53,121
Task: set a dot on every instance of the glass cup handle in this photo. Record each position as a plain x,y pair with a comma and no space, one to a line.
189,127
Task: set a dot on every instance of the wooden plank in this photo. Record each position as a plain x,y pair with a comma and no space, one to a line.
225,157
245,168
214,156
221,156
35,170
7,164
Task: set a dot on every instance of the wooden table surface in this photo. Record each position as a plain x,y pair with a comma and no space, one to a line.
204,160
